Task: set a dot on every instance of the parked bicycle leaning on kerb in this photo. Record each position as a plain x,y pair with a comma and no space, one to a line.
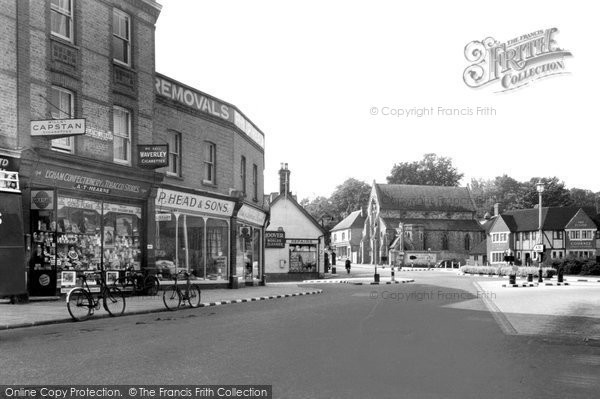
81,302
174,295
138,283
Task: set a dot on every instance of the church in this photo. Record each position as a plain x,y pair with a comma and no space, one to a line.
419,225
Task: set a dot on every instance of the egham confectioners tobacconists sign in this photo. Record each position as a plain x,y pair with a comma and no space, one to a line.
208,105
187,202
54,176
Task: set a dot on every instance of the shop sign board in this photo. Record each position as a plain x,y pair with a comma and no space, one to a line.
294,241
56,128
194,203
274,239
9,163
251,215
42,199
153,156
56,176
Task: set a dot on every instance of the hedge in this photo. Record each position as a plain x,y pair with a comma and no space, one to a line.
547,272
577,266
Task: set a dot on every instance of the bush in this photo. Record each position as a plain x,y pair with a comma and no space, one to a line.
547,272
576,266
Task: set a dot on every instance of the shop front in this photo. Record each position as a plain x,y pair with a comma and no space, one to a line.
192,232
12,242
250,256
83,222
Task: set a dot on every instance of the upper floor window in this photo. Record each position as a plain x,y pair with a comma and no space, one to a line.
445,243
121,37
174,154
499,237
122,135
61,19
255,182
62,102
343,236
243,174
467,242
210,162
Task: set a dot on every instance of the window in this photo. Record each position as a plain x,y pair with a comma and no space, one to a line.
343,236
243,174
497,257
255,182
334,237
210,151
574,235
62,108
526,236
467,242
499,237
517,236
122,136
587,235
445,242
121,37
61,19
174,154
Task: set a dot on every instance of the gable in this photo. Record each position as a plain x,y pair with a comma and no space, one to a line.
295,223
581,221
499,225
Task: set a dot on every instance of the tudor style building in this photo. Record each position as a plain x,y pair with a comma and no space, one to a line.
419,224
566,231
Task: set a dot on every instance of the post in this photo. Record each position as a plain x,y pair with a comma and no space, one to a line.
540,189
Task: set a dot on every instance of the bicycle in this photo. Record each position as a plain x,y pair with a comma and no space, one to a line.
174,295
82,304
140,283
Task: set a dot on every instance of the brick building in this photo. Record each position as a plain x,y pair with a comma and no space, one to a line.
347,235
81,95
409,224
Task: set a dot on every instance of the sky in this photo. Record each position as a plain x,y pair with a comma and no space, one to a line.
330,82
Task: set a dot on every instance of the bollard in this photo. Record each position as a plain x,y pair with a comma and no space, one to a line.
333,270
530,278
512,279
393,279
560,276
376,276
540,276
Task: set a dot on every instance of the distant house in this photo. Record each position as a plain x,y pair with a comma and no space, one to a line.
419,225
566,231
294,240
346,237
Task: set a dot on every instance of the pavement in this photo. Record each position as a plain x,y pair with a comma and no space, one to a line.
54,309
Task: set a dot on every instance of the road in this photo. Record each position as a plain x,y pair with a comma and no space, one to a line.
433,340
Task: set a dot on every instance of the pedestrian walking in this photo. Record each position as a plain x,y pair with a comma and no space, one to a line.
332,258
326,258
348,265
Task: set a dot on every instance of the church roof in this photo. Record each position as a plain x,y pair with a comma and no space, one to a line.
424,198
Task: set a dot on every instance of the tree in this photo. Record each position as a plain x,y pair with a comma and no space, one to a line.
432,170
349,196
583,197
319,208
555,193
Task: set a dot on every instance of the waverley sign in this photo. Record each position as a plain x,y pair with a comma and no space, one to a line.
516,62
57,128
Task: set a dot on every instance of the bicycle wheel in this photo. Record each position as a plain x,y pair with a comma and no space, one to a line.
193,296
171,298
152,285
79,304
113,300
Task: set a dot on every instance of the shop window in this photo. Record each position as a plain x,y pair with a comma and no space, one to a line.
121,37
210,155
121,236
217,249
174,154
61,19
254,182
195,245
62,107
243,174
122,135
303,258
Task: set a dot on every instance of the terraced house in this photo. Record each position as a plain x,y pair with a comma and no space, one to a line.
118,165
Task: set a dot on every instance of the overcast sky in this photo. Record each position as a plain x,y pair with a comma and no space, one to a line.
309,73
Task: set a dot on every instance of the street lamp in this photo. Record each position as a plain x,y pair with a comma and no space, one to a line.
540,190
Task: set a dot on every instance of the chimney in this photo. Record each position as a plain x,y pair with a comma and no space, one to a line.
497,209
284,179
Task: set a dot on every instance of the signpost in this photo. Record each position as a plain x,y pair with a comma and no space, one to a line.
153,156
538,248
